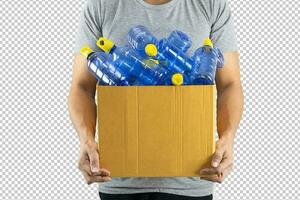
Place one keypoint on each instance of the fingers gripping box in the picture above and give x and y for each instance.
(156, 131)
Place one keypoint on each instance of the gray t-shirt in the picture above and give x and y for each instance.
(199, 19)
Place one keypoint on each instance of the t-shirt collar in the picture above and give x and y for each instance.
(159, 6)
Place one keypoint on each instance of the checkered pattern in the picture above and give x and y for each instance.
(39, 147)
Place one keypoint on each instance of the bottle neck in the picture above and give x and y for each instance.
(112, 49)
(207, 49)
(91, 55)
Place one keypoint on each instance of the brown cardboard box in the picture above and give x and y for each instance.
(156, 131)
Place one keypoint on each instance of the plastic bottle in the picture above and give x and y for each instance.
(180, 40)
(206, 60)
(100, 65)
(131, 63)
(141, 40)
(174, 59)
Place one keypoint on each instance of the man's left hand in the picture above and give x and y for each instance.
(222, 161)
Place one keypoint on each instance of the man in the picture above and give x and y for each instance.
(199, 19)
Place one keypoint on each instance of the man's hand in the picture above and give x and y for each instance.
(229, 112)
(89, 164)
(82, 108)
(222, 161)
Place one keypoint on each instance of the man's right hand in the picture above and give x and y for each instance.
(89, 164)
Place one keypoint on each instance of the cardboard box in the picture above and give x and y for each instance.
(156, 131)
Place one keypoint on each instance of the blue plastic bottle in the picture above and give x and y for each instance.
(174, 59)
(180, 40)
(100, 65)
(128, 61)
(206, 60)
(141, 40)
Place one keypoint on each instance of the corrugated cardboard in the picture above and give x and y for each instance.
(156, 131)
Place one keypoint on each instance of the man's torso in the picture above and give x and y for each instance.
(193, 17)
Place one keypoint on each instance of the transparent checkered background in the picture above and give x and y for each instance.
(39, 148)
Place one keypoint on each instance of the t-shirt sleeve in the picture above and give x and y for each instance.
(90, 27)
(222, 30)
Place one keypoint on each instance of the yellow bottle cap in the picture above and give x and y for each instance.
(208, 42)
(151, 50)
(85, 51)
(177, 79)
(105, 44)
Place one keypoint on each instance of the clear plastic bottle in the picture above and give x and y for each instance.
(101, 66)
(131, 63)
(180, 40)
(206, 60)
(141, 40)
(174, 59)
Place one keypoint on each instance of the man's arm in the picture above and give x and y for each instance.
(229, 112)
(230, 96)
(82, 109)
(81, 101)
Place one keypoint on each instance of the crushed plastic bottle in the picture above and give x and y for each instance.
(131, 64)
(101, 67)
(206, 60)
